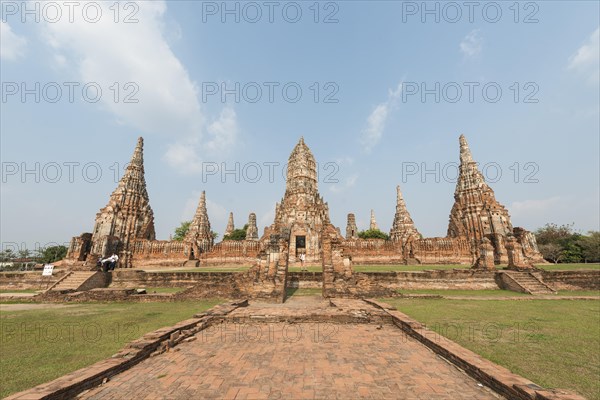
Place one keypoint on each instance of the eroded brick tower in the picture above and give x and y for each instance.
(403, 227)
(476, 212)
(199, 235)
(127, 216)
(302, 211)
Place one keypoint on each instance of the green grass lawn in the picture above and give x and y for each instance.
(420, 267)
(554, 343)
(579, 292)
(37, 346)
(453, 292)
(568, 267)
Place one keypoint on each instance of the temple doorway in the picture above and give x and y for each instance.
(300, 245)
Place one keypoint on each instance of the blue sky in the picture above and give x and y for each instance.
(395, 90)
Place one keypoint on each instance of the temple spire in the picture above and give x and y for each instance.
(302, 170)
(403, 226)
(252, 230)
(351, 228)
(199, 232)
(302, 215)
(465, 152)
(373, 223)
(137, 159)
(230, 226)
(476, 212)
(127, 215)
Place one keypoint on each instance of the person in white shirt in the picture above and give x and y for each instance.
(109, 263)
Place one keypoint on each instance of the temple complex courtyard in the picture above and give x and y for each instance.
(303, 312)
(311, 347)
(304, 360)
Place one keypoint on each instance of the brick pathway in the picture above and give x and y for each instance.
(280, 360)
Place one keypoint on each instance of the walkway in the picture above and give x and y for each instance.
(255, 354)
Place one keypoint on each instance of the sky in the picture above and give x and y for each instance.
(222, 91)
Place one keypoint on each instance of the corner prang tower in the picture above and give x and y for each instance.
(128, 215)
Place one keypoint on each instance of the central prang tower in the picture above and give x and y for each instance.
(302, 212)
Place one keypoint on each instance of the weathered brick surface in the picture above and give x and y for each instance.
(507, 282)
(27, 280)
(271, 359)
(136, 278)
(572, 280)
(255, 283)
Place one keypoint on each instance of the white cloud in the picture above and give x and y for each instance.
(60, 61)
(12, 46)
(217, 214)
(347, 184)
(587, 58)
(138, 53)
(184, 158)
(223, 131)
(472, 44)
(372, 134)
(564, 209)
(184, 155)
(346, 160)
(138, 57)
(538, 206)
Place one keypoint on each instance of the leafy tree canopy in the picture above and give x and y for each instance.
(237, 234)
(562, 244)
(52, 253)
(181, 231)
(373, 234)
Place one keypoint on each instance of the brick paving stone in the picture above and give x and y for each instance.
(359, 362)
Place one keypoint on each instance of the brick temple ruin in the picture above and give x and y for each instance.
(480, 233)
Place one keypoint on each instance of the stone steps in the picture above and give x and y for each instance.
(73, 281)
(531, 283)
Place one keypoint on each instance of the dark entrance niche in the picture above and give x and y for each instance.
(300, 242)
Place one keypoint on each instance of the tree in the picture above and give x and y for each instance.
(373, 234)
(590, 246)
(572, 252)
(237, 234)
(561, 244)
(182, 230)
(552, 233)
(7, 255)
(551, 252)
(52, 253)
(24, 253)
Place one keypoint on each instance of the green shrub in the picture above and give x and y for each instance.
(237, 234)
(373, 234)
